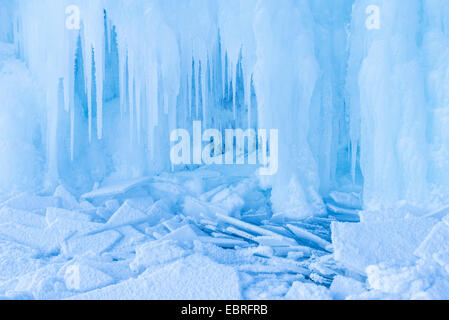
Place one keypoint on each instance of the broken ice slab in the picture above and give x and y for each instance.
(28, 202)
(309, 237)
(256, 217)
(157, 232)
(52, 214)
(343, 287)
(159, 211)
(317, 230)
(45, 240)
(175, 223)
(343, 214)
(96, 243)
(358, 246)
(224, 235)
(103, 213)
(131, 236)
(89, 209)
(446, 220)
(16, 260)
(320, 279)
(126, 215)
(439, 214)
(288, 265)
(275, 241)
(298, 254)
(64, 227)
(240, 233)
(324, 265)
(267, 237)
(437, 241)
(9, 215)
(277, 229)
(224, 242)
(68, 201)
(37, 284)
(192, 278)
(112, 205)
(187, 233)
(273, 269)
(141, 203)
(162, 189)
(199, 210)
(82, 278)
(246, 226)
(208, 195)
(116, 189)
(156, 253)
(442, 258)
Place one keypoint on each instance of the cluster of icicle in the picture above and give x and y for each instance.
(162, 44)
(348, 101)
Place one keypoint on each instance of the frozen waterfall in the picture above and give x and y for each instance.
(357, 106)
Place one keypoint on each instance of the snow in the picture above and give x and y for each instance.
(31, 203)
(53, 214)
(139, 253)
(68, 200)
(394, 241)
(8, 215)
(343, 288)
(155, 254)
(307, 291)
(435, 242)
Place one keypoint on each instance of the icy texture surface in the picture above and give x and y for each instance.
(92, 208)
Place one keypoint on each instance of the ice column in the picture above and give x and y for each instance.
(285, 75)
(387, 97)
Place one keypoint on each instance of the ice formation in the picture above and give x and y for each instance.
(91, 205)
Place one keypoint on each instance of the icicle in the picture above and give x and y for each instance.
(131, 100)
(72, 134)
(123, 73)
(234, 90)
(204, 97)
(138, 94)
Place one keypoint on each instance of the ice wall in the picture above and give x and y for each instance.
(229, 64)
(396, 97)
(435, 49)
(390, 93)
(355, 106)
(285, 54)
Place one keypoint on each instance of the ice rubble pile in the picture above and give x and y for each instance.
(209, 234)
(200, 235)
